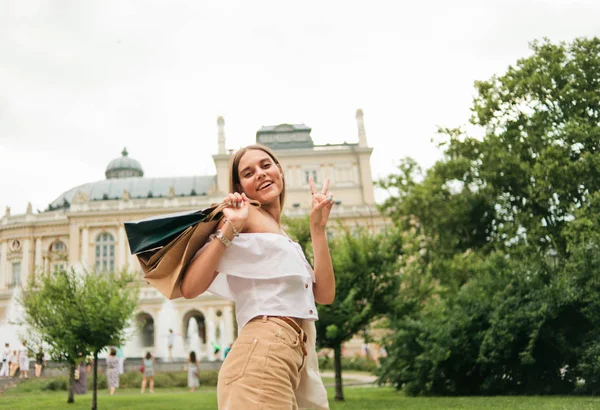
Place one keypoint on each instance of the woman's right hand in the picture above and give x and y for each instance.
(237, 209)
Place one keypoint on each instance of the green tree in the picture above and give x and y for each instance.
(50, 312)
(500, 315)
(76, 314)
(110, 300)
(447, 217)
(366, 282)
(538, 161)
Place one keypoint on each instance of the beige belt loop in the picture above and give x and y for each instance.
(264, 318)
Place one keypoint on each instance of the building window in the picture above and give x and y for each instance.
(16, 274)
(58, 246)
(343, 174)
(308, 173)
(105, 253)
(15, 245)
(58, 267)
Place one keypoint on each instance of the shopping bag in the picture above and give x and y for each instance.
(166, 244)
(158, 231)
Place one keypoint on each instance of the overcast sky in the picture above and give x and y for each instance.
(79, 80)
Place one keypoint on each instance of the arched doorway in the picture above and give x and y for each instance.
(194, 332)
(145, 324)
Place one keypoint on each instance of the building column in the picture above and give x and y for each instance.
(3, 265)
(85, 246)
(121, 253)
(354, 174)
(210, 324)
(366, 180)
(39, 261)
(73, 245)
(25, 261)
(362, 133)
(133, 265)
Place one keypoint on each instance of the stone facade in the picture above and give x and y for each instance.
(83, 229)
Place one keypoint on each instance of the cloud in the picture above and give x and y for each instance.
(80, 80)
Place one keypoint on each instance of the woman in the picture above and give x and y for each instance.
(251, 261)
(112, 370)
(5, 363)
(23, 359)
(193, 369)
(148, 372)
(40, 362)
(81, 375)
(13, 362)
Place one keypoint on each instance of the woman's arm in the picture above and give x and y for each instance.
(324, 288)
(322, 202)
(202, 271)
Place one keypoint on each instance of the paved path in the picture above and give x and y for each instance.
(352, 379)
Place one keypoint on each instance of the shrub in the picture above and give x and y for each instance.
(55, 384)
(130, 380)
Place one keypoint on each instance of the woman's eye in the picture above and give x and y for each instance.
(267, 165)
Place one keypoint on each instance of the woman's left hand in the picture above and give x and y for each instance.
(322, 202)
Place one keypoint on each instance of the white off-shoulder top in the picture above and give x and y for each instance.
(265, 274)
(268, 274)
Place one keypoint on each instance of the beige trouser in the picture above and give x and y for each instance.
(262, 370)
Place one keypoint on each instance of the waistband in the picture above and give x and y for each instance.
(289, 321)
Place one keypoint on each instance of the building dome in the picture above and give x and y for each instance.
(136, 187)
(123, 167)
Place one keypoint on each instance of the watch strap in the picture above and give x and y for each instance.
(224, 239)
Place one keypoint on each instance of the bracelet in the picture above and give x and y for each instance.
(224, 239)
(235, 231)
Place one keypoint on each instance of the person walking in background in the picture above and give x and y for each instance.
(23, 359)
(89, 361)
(193, 368)
(121, 357)
(112, 370)
(40, 362)
(5, 353)
(13, 364)
(148, 372)
(170, 342)
(216, 350)
(81, 376)
(226, 351)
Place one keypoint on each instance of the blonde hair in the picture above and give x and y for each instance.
(234, 176)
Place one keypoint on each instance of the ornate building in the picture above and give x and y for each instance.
(83, 228)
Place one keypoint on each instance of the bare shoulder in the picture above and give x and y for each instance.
(256, 221)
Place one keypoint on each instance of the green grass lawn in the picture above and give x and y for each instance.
(356, 399)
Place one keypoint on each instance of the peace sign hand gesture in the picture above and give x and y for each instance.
(322, 202)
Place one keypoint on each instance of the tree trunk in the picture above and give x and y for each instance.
(95, 382)
(337, 367)
(71, 398)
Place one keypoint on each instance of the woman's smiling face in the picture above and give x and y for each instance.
(260, 177)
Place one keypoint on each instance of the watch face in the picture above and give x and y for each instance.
(226, 241)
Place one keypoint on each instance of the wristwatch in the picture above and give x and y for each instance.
(221, 236)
